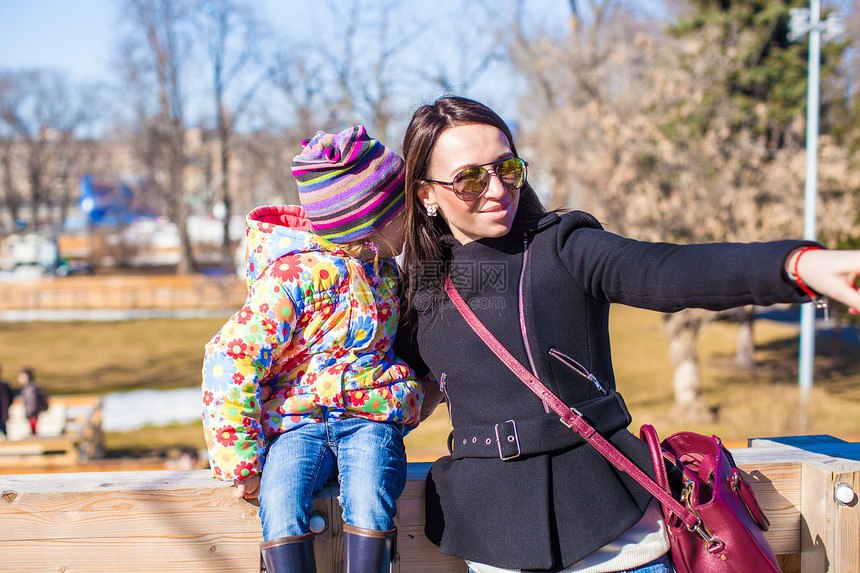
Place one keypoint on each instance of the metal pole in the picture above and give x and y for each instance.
(807, 312)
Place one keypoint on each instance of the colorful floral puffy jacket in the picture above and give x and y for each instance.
(318, 328)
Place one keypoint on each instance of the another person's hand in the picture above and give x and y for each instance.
(432, 397)
(833, 274)
(266, 392)
(249, 488)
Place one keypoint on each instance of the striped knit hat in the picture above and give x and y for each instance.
(350, 185)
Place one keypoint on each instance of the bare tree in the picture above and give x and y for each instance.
(40, 113)
(154, 55)
(357, 76)
(234, 40)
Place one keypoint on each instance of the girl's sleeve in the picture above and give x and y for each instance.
(236, 361)
(669, 277)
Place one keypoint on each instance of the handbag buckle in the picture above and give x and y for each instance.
(511, 437)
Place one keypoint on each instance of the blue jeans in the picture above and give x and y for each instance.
(661, 565)
(368, 457)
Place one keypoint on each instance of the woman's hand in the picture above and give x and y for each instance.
(249, 488)
(833, 274)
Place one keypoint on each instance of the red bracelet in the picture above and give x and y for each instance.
(797, 278)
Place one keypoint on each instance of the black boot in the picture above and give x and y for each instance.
(288, 555)
(367, 550)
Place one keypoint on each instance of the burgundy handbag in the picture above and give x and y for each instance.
(717, 526)
(730, 521)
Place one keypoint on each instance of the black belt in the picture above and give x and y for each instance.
(510, 439)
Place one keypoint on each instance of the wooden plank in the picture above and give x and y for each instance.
(216, 553)
(129, 517)
(147, 530)
(174, 520)
(416, 552)
(777, 488)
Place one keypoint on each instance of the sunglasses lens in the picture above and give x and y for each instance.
(470, 183)
(512, 173)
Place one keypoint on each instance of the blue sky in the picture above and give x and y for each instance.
(74, 37)
(79, 37)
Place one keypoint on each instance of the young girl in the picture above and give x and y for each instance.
(317, 329)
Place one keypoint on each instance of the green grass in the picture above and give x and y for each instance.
(97, 357)
(100, 357)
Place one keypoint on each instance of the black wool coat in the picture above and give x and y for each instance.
(558, 500)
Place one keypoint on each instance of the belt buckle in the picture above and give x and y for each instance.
(514, 438)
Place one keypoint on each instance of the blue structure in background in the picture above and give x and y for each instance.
(109, 203)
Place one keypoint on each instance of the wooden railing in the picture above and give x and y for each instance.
(124, 292)
(172, 521)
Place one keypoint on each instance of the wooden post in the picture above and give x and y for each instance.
(829, 531)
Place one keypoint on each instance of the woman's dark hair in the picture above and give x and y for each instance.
(425, 253)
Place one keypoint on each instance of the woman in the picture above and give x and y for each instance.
(520, 491)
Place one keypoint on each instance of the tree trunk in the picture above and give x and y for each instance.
(745, 353)
(180, 209)
(186, 264)
(37, 194)
(224, 130)
(11, 197)
(683, 329)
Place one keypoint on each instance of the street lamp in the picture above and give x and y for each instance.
(803, 21)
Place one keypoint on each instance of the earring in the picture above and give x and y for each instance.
(431, 210)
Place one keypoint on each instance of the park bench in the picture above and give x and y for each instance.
(67, 434)
(172, 521)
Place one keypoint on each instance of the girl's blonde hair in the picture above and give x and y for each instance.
(354, 248)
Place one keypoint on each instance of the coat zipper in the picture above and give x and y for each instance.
(443, 385)
(523, 314)
(577, 367)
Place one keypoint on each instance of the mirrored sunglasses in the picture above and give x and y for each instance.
(472, 182)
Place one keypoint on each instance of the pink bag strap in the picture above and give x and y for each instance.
(570, 417)
(648, 434)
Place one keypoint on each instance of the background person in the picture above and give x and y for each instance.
(537, 497)
(6, 397)
(34, 396)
